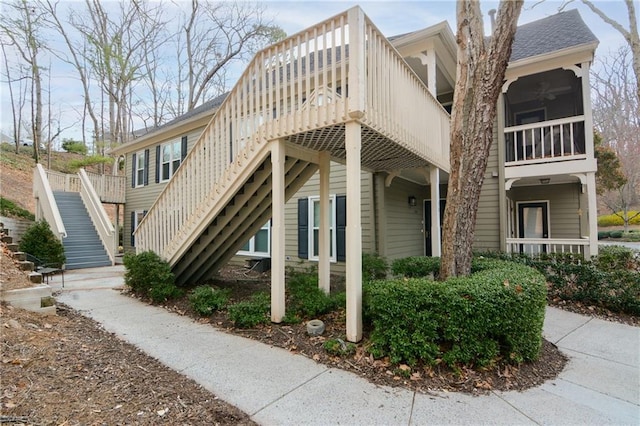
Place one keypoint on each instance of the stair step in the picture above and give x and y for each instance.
(92, 264)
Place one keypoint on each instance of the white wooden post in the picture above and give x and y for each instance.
(588, 116)
(353, 233)
(277, 231)
(324, 263)
(357, 49)
(434, 179)
(593, 214)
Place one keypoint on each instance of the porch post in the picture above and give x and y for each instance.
(593, 214)
(588, 116)
(277, 231)
(324, 265)
(353, 233)
(436, 238)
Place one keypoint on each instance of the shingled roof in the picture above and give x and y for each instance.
(556, 32)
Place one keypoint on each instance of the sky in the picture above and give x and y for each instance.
(391, 17)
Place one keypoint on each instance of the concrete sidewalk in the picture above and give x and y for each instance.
(600, 385)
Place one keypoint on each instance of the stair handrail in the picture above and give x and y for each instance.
(47, 208)
(97, 213)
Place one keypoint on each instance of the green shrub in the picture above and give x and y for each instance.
(603, 234)
(339, 347)
(11, 209)
(616, 219)
(148, 275)
(498, 311)
(74, 146)
(614, 258)
(206, 300)
(306, 300)
(92, 160)
(250, 313)
(416, 267)
(374, 267)
(615, 234)
(40, 241)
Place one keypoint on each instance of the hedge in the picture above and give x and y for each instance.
(496, 312)
(616, 219)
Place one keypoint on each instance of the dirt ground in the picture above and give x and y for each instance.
(65, 369)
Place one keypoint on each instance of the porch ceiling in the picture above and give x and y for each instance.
(378, 153)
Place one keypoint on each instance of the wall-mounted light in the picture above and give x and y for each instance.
(412, 201)
(545, 181)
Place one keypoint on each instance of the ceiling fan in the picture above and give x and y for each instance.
(544, 91)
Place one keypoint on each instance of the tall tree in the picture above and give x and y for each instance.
(17, 100)
(212, 35)
(630, 35)
(616, 116)
(480, 75)
(20, 23)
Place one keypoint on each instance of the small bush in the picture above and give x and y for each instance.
(74, 146)
(339, 347)
(306, 300)
(252, 312)
(416, 267)
(93, 160)
(615, 258)
(11, 209)
(40, 241)
(497, 312)
(150, 276)
(374, 267)
(615, 234)
(603, 234)
(206, 300)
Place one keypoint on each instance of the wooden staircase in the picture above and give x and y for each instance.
(299, 93)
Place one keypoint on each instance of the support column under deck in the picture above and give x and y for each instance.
(593, 214)
(277, 232)
(353, 142)
(436, 238)
(324, 256)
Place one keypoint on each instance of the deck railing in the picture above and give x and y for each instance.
(110, 189)
(400, 106)
(536, 246)
(316, 78)
(46, 207)
(554, 140)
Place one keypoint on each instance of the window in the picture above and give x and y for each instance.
(309, 228)
(140, 169)
(260, 244)
(136, 218)
(169, 156)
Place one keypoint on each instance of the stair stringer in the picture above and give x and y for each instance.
(218, 249)
(221, 193)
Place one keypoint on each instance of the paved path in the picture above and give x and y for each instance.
(600, 384)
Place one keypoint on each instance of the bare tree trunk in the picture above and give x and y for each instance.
(480, 75)
(14, 112)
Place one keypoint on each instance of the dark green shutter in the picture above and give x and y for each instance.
(341, 227)
(303, 228)
(183, 149)
(133, 170)
(146, 167)
(158, 166)
(133, 228)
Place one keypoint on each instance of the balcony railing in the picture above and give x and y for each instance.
(554, 140)
(537, 246)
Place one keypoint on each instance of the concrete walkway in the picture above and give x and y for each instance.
(600, 384)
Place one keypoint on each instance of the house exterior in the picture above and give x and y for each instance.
(335, 142)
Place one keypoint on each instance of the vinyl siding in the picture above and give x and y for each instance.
(404, 233)
(488, 219)
(337, 185)
(142, 198)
